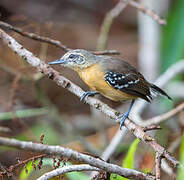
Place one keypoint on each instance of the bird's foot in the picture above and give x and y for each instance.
(122, 118)
(88, 93)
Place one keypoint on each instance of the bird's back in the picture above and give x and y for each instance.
(124, 77)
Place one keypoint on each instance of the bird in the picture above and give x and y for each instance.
(111, 77)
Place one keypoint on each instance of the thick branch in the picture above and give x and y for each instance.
(66, 169)
(70, 154)
(63, 82)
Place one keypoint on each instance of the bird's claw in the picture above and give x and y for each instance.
(122, 118)
(88, 93)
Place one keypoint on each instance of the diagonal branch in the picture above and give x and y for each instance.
(169, 74)
(163, 117)
(147, 11)
(65, 83)
(107, 22)
(56, 43)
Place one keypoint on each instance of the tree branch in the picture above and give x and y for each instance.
(66, 169)
(65, 83)
(74, 155)
(163, 117)
(107, 22)
(158, 159)
(147, 11)
(56, 43)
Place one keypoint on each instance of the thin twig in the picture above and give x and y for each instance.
(113, 144)
(74, 155)
(147, 11)
(106, 52)
(107, 22)
(165, 166)
(66, 169)
(21, 163)
(151, 128)
(110, 149)
(4, 129)
(56, 43)
(63, 82)
(163, 117)
(170, 73)
(35, 36)
(158, 159)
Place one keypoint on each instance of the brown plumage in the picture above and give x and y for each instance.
(112, 77)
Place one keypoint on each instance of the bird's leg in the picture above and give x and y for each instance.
(125, 115)
(88, 93)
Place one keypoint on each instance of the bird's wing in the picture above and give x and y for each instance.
(124, 77)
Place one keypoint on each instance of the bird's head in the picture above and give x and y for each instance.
(76, 59)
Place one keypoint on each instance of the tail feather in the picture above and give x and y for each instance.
(155, 90)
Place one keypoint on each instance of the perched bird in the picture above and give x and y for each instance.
(110, 76)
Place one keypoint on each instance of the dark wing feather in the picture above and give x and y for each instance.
(122, 76)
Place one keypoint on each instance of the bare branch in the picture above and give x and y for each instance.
(35, 37)
(71, 154)
(19, 164)
(106, 52)
(147, 11)
(66, 169)
(56, 43)
(63, 82)
(165, 166)
(113, 144)
(4, 129)
(163, 117)
(158, 159)
(151, 128)
(107, 22)
(170, 73)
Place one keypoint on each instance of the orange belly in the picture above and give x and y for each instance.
(94, 78)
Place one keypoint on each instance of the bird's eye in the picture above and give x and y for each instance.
(72, 56)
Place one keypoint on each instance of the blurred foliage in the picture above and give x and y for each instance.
(128, 161)
(180, 174)
(172, 42)
(23, 113)
(172, 47)
(162, 135)
(48, 162)
(52, 137)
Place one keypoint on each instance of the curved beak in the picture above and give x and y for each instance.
(58, 61)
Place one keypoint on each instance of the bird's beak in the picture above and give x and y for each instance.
(58, 61)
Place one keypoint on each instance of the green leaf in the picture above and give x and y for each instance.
(172, 47)
(180, 174)
(128, 161)
(49, 162)
(23, 175)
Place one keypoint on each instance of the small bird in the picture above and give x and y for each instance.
(112, 77)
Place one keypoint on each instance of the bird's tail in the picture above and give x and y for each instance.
(155, 90)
